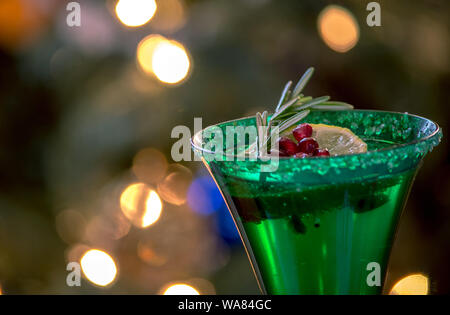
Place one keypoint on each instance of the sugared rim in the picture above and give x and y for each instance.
(196, 142)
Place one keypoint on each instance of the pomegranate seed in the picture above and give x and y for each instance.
(321, 152)
(308, 145)
(302, 131)
(287, 146)
(302, 155)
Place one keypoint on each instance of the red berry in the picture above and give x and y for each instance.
(321, 152)
(302, 155)
(302, 131)
(308, 145)
(287, 146)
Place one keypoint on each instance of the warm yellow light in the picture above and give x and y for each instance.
(338, 28)
(174, 187)
(135, 12)
(181, 289)
(416, 284)
(98, 267)
(145, 51)
(141, 205)
(170, 62)
(166, 59)
(129, 199)
(153, 207)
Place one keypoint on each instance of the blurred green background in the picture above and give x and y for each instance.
(86, 120)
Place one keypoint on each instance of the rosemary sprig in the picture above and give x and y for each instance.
(292, 108)
(302, 82)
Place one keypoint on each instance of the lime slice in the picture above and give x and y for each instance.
(337, 140)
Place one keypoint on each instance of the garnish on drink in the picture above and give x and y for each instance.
(305, 140)
(308, 140)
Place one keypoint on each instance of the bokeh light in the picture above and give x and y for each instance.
(415, 284)
(170, 62)
(98, 267)
(166, 59)
(141, 205)
(174, 187)
(135, 13)
(149, 165)
(338, 28)
(181, 289)
(107, 227)
(145, 51)
(153, 206)
(21, 23)
(194, 286)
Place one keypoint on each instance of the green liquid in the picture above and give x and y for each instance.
(320, 240)
(320, 244)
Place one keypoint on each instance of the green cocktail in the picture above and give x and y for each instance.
(324, 225)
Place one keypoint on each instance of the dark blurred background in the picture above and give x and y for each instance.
(86, 114)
